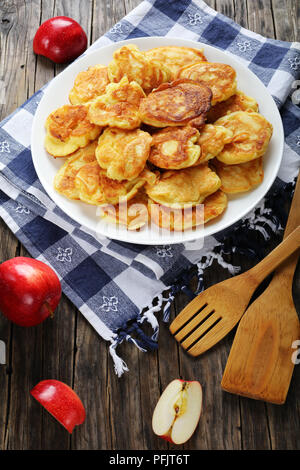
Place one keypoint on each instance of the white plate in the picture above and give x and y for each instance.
(239, 205)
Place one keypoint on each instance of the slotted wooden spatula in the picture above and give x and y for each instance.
(260, 362)
(214, 312)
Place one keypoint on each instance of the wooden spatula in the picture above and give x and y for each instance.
(260, 361)
(214, 312)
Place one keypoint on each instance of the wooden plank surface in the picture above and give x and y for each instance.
(67, 348)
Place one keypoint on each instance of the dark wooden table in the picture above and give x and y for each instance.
(67, 348)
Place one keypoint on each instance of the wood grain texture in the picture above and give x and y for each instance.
(286, 17)
(119, 411)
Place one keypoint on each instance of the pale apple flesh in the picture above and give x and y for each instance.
(178, 411)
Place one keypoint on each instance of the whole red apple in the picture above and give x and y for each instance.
(61, 402)
(61, 39)
(29, 291)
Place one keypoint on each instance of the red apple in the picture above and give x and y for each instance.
(178, 410)
(29, 291)
(61, 402)
(61, 39)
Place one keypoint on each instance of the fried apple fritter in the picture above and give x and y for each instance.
(133, 214)
(220, 78)
(129, 61)
(237, 102)
(181, 220)
(87, 182)
(178, 103)
(214, 205)
(174, 148)
(175, 57)
(64, 181)
(116, 192)
(68, 129)
(118, 106)
(241, 177)
(212, 140)
(184, 188)
(171, 107)
(89, 84)
(123, 153)
(251, 136)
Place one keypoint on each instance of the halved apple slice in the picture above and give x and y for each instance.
(178, 410)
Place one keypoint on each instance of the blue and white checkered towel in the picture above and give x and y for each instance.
(112, 282)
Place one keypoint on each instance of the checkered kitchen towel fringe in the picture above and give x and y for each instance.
(112, 283)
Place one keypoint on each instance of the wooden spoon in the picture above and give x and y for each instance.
(260, 361)
(214, 312)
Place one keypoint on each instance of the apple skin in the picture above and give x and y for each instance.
(167, 438)
(29, 291)
(60, 39)
(61, 402)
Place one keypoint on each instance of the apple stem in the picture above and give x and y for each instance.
(47, 305)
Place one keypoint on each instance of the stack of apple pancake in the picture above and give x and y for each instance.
(156, 135)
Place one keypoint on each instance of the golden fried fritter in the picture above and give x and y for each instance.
(175, 57)
(116, 192)
(175, 89)
(178, 103)
(181, 220)
(129, 61)
(251, 136)
(174, 148)
(237, 102)
(123, 153)
(118, 106)
(212, 140)
(64, 181)
(89, 84)
(220, 78)
(184, 188)
(68, 129)
(133, 214)
(241, 177)
(87, 182)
